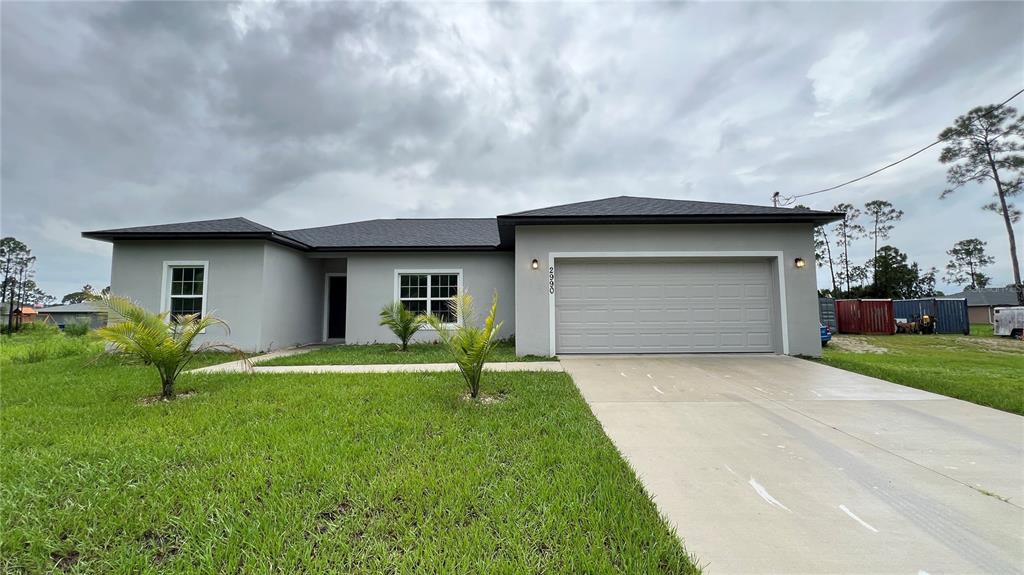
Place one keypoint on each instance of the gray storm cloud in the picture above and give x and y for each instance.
(304, 114)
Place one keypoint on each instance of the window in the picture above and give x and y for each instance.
(186, 291)
(429, 293)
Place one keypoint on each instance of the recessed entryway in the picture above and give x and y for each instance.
(336, 293)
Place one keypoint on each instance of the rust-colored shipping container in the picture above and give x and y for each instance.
(865, 316)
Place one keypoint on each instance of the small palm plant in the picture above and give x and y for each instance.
(151, 338)
(469, 344)
(402, 322)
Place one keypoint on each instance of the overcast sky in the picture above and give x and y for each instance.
(297, 115)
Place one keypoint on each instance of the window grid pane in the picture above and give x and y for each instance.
(186, 295)
(429, 294)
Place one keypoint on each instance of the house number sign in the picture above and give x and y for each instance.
(551, 279)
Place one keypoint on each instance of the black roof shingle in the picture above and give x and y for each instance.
(469, 233)
(630, 206)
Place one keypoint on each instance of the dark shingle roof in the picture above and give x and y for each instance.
(634, 207)
(470, 233)
(227, 228)
(222, 226)
(989, 296)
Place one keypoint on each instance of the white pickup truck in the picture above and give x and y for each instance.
(1009, 321)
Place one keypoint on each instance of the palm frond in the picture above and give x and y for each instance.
(150, 337)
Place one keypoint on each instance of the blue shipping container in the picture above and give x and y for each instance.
(950, 314)
(827, 313)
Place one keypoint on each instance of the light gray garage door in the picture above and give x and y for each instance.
(663, 306)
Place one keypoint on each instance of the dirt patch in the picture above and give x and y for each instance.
(153, 399)
(65, 560)
(484, 399)
(855, 344)
(325, 519)
(162, 546)
(995, 343)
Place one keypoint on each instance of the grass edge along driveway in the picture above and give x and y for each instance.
(979, 368)
(312, 473)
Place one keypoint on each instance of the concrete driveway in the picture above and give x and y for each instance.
(772, 464)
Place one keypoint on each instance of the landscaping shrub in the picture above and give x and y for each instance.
(152, 339)
(402, 322)
(469, 344)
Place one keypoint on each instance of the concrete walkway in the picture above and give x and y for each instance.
(771, 464)
(252, 366)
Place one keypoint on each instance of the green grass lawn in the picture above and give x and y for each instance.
(979, 368)
(380, 473)
(381, 353)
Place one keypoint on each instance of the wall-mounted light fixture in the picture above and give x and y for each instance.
(534, 264)
(799, 262)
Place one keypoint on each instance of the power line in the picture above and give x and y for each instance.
(790, 199)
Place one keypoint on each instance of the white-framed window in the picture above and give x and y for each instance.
(429, 291)
(185, 288)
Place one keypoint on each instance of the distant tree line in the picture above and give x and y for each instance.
(888, 273)
(18, 286)
(981, 146)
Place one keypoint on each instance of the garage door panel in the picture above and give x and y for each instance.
(663, 306)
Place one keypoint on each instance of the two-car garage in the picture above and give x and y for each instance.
(665, 305)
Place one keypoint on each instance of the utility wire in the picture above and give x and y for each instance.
(789, 199)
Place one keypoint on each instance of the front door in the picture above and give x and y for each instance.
(337, 288)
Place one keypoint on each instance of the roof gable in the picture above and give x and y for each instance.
(631, 206)
(219, 226)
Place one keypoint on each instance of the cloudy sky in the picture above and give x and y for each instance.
(306, 114)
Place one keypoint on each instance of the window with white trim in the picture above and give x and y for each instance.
(429, 293)
(187, 290)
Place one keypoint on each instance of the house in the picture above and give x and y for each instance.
(616, 275)
(24, 314)
(92, 313)
(981, 303)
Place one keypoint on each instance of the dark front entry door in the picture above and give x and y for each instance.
(337, 287)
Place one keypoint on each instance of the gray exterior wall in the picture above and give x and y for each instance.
(268, 294)
(793, 240)
(293, 295)
(371, 285)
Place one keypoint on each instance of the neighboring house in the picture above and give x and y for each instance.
(24, 314)
(92, 313)
(981, 303)
(618, 275)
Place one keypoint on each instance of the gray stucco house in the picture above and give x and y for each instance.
(616, 275)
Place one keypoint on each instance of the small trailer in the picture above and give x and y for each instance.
(1009, 321)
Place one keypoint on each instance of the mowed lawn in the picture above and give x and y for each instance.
(979, 368)
(309, 473)
(388, 353)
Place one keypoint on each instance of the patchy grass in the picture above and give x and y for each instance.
(36, 343)
(387, 353)
(982, 329)
(982, 369)
(42, 343)
(383, 473)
